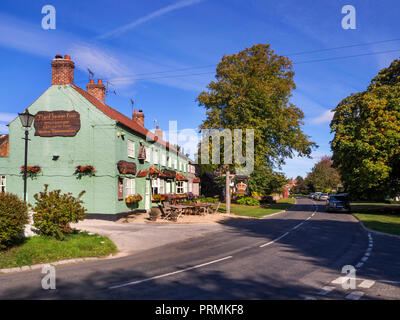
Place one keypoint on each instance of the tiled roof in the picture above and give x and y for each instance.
(119, 117)
(4, 145)
(180, 177)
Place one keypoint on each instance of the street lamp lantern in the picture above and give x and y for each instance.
(26, 121)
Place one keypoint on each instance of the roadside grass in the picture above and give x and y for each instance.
(381, 217)
(258, 211)
(41, 249)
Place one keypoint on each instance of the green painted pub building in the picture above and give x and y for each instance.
(116, 155)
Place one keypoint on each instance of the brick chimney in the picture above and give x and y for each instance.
(62, 70)
(159, 133)
(138, 117)
(97, 90)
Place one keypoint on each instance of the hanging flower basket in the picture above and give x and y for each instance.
(31, 171)
(133, 198)
(87, 170)
(156, 197)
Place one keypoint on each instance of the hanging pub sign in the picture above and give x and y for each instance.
(169, 174)
(241, 188)
(142, 153)
(57, 123)
(126, 167)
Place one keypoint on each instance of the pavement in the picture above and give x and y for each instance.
(298, 254)
(134, 237)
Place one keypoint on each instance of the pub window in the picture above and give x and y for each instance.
(131, 149)
(155, 156)
(2, 183)
(190, 187)
(176, 164)
(155, 186)
(168, 187)
(179, 187)
(163, 159)
(148, 154)
(161, 184)
(130, 187)
(170, 162)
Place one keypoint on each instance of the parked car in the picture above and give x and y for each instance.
(316, 195)
(323, 197)
(338, 203)
(311, 195)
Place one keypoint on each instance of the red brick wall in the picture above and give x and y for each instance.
(62, 71)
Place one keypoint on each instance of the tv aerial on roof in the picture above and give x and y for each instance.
(91, 74)
(108, 91)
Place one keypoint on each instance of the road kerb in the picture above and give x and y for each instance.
(374, 231)
(273, 214)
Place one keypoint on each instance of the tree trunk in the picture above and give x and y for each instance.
(228, 192)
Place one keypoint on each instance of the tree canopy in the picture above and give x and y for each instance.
(252, 91)
(366, 144)
(323, 176)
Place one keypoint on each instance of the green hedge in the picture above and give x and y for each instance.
(13, 218)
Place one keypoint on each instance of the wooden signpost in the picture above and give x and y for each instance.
(57, 123)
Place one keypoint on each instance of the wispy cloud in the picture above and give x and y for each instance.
(323, 118)
(148, 17)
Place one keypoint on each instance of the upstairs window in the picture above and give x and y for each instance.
(163, 160)
(170, 162)
(155, 156)
(176, 164)
(131, 149)
(148, 154)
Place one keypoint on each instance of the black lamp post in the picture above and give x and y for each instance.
(26, 121)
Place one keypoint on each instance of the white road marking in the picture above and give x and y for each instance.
(359, 265)
(325, 290)
(364, 259)
(366, 284)
(168, 274)
(339, 280)
(355, 295)
(277, 239)
(309, 298)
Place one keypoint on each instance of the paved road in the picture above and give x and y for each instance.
(294, 255)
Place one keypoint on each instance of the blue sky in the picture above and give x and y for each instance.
(136, 44)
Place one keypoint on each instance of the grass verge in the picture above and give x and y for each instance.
(41, 249)
(381, 217)
(259, 211)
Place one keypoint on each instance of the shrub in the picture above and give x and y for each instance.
(248, 201)
(55, 211)
(209, 200)
(13, 217)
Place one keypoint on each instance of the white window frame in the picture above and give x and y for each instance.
(175, 164)
(3, 183)
(161, 187)
(148, 154)
(163, 159)
(190, 187)
(130, 186)
(169, 162)
(168, 187)
(155, 156)
(131, 149)
(180, 188)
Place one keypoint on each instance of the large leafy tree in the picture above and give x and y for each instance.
(301, 186)
(252, 91)
(266, 182)
(366, 145)
(323, 176)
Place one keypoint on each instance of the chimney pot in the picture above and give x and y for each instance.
(97, 90)
(58, 56)
(99, 81)
(67, 57)
(138, 117)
